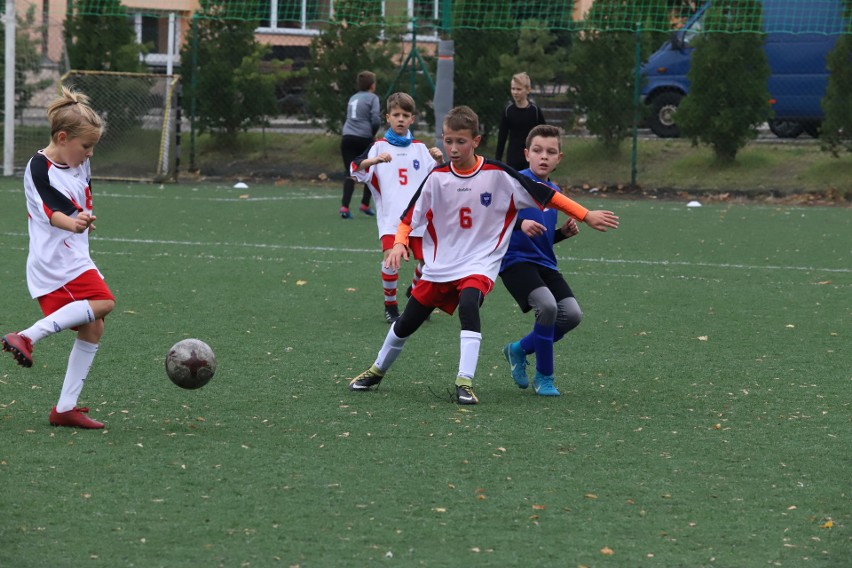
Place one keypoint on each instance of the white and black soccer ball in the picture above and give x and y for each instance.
(190, 364)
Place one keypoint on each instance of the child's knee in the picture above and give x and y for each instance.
(101, 307)
(469, 303)
(570, 315)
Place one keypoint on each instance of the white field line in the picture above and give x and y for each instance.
(249, 199)
(290, 197)
(267, 246)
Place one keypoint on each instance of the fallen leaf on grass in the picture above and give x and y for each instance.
(539, 507)
(301, 282)
(827, 524)
(607, 551)
(702, 338)
(590, 496)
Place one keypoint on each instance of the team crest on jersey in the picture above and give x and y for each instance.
(485, 199)
(416, 164)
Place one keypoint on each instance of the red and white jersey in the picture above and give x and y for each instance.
(394, 183)
(469, 218)
(56, 256)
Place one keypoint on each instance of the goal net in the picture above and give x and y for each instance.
(142, 118)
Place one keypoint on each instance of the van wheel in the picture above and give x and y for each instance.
(813, 129)
(663, 110)
(786, 128)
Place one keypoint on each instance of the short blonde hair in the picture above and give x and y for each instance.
(523, 80)
(73, 114)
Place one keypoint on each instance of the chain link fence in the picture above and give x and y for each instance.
(643, 75)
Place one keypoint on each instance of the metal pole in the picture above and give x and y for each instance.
(192, 93)
(637, 78)
(170, 65)
(443, 100)
(9, 93)
(413, 92)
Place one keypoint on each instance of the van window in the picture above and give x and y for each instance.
(693, 29)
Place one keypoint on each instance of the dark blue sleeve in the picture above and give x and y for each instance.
(53, 199)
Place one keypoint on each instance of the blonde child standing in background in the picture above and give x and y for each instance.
(519, 117)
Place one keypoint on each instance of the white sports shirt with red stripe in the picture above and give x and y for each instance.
(469, 218)
(56, 256)
(394, 183)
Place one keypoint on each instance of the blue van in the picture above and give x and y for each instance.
(803, 32)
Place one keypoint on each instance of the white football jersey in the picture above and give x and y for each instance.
(56, 256)
(469, 218)
(394, 183)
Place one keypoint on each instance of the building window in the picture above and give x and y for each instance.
(428, 14)
(293, 14)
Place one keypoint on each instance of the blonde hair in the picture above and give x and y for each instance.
(73, 114)
(523, 80)
(462, 118)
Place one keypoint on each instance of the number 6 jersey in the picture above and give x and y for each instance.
(469, 217)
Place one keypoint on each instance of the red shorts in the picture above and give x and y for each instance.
(88, 286)
(415, 245)
(445, 295)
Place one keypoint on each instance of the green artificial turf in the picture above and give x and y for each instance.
(704, 421)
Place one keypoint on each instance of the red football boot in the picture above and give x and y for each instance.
(74, 418)
(20, 347)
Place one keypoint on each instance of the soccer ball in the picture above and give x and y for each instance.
(190, 364)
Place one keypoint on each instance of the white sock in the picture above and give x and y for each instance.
(79, 363)
(390, 350)
(69, 315)
(470, 341)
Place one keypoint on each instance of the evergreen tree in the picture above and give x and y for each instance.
(351, 43)
(231, 86)
(602, 69)
(728, 98)
(478, 81)
(836, 132)
(539, 55)
(100, 37)
(27, 60)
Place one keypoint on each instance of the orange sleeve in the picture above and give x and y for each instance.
(402, 232)
(567, 206)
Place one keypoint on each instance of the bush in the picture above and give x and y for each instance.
(27, 60)
(837, 104)
(729, 72)
(224, 75)
(348, 45)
